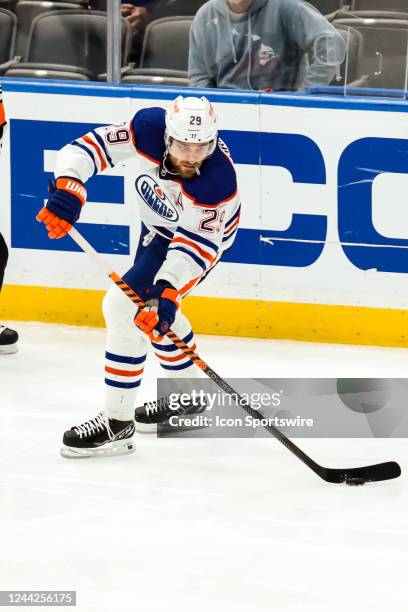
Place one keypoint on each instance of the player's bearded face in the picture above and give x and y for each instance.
(186, 158)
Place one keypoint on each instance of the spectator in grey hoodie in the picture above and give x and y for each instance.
(262, 44)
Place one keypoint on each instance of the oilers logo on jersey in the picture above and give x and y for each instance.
(155, 198)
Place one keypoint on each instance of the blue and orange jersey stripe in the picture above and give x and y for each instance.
(2, 113)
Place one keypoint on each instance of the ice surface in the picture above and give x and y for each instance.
(193, 525)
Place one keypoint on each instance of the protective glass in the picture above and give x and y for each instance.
(377, 60)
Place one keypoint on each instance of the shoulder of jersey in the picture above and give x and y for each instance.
(217, 182)
(148, 126)
(2, 115)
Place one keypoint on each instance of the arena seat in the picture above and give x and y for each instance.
(8, 24)
(75, 41)
(372, 14)
(379, 5)
(163, 77)
(49, 71)
(8, 4)
(161, 37)
(27, 11)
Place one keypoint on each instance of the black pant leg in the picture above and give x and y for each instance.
(3, 258)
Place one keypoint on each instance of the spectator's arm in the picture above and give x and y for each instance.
(316, 36)
(135, 15)
(198, 72)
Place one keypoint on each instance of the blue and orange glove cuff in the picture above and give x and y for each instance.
(72, 186)
(173, 295)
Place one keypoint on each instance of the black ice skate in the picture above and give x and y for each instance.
(153, 414)
(8, 340)
(98, 437)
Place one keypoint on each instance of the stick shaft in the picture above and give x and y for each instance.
(382, 471)
(132, 295)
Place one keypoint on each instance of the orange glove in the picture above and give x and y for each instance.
(162, 302)
(67, 197)
(147, 320)
(56, 227)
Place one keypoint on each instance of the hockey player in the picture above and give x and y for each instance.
(8, 337)
(186, 191)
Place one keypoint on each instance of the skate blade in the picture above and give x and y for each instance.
(145, 428)
(8, 349)
(121, 447)
(165, 428)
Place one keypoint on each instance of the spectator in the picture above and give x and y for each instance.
(135, 11)
(101, 5)
(262, 44)
(140, 13)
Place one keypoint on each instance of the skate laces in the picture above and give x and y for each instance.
(98, 423)
(154, 407)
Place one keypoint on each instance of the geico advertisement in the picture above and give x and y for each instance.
(324, 199)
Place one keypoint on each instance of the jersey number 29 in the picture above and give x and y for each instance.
(212, 221)
(118, 135)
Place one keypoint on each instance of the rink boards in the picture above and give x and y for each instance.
(322, 250)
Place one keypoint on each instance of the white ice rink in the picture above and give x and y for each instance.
(193, 525)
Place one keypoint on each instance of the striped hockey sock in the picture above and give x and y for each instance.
(123, 375)
(172, 359)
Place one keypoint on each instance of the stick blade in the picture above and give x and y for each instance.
(369, 473)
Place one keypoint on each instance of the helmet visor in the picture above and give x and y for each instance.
(190, 152)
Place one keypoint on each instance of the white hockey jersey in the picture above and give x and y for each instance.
(199, 216)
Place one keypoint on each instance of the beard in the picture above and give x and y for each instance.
(188, 172)
(184, 169)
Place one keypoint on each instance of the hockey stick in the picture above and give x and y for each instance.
(351, 476)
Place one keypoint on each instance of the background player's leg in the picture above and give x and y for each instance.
(3, 258)
(8, 337)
